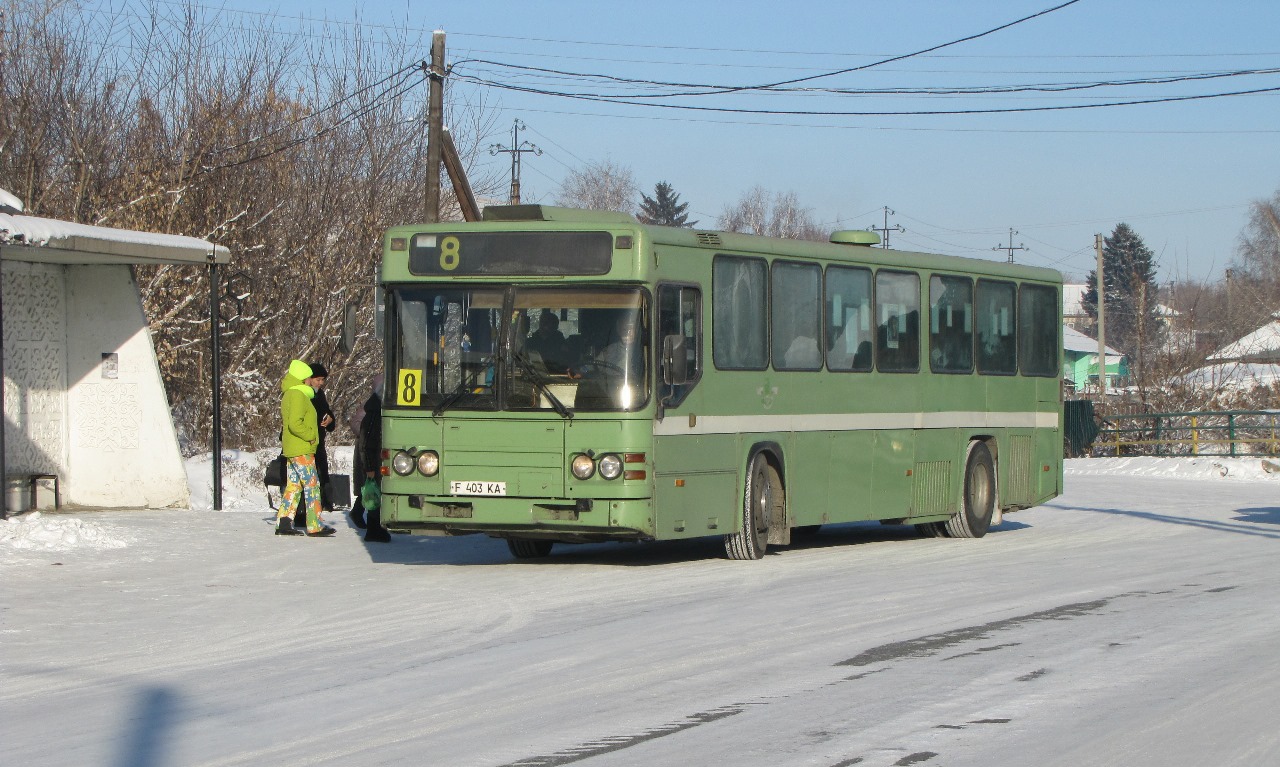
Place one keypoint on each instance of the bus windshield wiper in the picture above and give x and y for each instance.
(463, 388)
(540, 384)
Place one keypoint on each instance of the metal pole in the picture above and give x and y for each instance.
(215, 330)
(4, 496)
(1102, 323)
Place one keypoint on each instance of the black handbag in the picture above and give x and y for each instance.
(274, 475)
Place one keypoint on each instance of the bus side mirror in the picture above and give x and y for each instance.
(675, 361)
(347, 341)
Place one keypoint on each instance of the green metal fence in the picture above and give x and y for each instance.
(1227, 432)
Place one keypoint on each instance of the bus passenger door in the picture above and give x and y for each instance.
(693, 472)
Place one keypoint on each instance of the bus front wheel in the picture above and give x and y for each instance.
(524, 548)
(979, 499)
(763, 491)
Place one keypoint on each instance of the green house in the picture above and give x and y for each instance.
(1080, 362)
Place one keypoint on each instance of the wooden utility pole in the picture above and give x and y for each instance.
(458, 175)
(1102, 322)
(435, 128)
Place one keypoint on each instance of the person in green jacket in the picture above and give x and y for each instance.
(298, 439)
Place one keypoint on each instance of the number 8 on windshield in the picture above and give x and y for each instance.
(409, 388)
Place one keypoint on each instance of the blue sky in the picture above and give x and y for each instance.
(1181, 173)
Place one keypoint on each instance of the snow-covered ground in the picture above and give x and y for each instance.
(1132, 621)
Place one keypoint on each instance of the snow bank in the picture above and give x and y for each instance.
(242, 470)
(243, 491)
(56, 533)
(1186, 467)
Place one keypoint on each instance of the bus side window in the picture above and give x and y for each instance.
(679, 333)
(796, 316)
(739, 313)
(848, 310)
(997, 332)
(1038, 330)
(950, 324)
(897, 322)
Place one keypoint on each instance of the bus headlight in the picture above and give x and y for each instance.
(402, 463)
(429, 463)
(610, 466)
(582, 466)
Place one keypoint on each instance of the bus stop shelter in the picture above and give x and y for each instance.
(86, 419)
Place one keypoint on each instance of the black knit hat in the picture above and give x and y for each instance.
(318, 370)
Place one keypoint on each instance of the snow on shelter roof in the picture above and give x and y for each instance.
(48, 240)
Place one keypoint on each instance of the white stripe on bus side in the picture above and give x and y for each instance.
(749, 424)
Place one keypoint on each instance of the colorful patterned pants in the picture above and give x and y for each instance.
(302, 485)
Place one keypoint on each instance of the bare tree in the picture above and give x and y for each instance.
(1254, 277)
(600, 186)
(297, 152)
(772, 215)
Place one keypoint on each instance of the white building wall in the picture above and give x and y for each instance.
(83, 393)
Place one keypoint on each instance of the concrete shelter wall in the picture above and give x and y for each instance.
(83, 393)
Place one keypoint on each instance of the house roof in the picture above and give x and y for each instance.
(1075, 341)
(1238, 376)
(48, 240)
(1265, 341)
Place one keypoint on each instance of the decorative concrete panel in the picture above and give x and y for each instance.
(35, 374)
(108, 417)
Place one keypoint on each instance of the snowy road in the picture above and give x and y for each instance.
(1132, 622)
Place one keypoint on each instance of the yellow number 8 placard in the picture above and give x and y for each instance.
(450, 253)
(409, 388)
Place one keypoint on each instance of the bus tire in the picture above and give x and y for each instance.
(763, 490)
(978, 501)
(526, 548)
(932, 529)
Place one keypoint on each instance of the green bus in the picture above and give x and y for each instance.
(558, 375)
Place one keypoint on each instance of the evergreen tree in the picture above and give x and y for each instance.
(1133, 323)
(664, 208)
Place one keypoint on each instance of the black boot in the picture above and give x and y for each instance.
(357, 515)
(285, 527)
(300, 518)
(375, 532)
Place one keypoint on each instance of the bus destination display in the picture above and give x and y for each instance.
(511, 253)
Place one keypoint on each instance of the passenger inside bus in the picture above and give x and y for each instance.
(549, 342)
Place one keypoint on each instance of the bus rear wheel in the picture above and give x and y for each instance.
(763, 491)
(979, 499)
(932, 529)
(525, 548)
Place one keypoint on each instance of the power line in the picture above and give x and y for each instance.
(721, 90)
(562, 75)
(875, 113)
(906, 129)
(182, 4)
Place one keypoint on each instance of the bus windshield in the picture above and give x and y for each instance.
(562, 349)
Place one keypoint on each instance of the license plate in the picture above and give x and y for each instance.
(478, 488)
